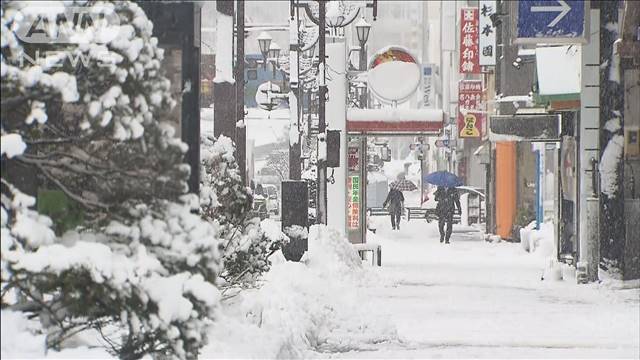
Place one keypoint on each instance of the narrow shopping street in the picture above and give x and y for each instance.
(474, 298)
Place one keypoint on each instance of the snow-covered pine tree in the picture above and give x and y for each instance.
(248, 243)
(88, 118)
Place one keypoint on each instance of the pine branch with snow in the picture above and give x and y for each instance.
(103, 139)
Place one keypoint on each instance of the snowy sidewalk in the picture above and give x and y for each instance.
(477, 299)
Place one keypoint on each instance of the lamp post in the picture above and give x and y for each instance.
(362, 30)
(241, 129)
(273, 53)
(321, 203)
(264, 41)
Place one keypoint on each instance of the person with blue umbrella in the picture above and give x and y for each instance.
(448, 200)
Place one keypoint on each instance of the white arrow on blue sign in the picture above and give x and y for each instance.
(551, 21)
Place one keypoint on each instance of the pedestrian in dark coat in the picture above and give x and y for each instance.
(448, 200)
(395, 200)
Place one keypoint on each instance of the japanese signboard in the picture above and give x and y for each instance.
(487, 33)
(353, 202)
(428, 92)
(469, 42)
(470, 116)
(353, 158)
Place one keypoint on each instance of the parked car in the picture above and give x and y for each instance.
(259, 208)
(272, 202)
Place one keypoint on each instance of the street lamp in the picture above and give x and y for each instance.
(362, 30)
(264, 41)
(519, 61)
(274, 52)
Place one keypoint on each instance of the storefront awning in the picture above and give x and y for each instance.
(524, 128)
(394, 120)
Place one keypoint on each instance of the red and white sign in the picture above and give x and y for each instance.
(470, 109)
(469, 41)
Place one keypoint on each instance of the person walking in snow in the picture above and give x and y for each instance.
(448, 200)
(395, 201)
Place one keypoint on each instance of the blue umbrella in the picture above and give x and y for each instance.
(443, 178)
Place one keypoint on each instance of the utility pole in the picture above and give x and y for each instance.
(611, 166)
(241, 126)
(224, 113)
(321, 217)
(295, 167)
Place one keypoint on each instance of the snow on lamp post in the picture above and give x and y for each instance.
(264, 42)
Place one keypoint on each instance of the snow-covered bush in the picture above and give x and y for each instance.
(247, 242)
(141, 269)
(225, 198)
(305, 308)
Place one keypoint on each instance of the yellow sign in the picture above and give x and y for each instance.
(470, 126)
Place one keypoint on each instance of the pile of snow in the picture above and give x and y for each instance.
(538, 241)
(541, 242)
(304, 307)
(21, 340)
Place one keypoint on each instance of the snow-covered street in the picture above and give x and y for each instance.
(479, 299)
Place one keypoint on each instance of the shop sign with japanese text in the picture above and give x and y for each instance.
(469, 42)
(353, 159)
(470, 109)
(487, 33)
(353, 202)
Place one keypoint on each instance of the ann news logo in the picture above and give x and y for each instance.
(47, 23)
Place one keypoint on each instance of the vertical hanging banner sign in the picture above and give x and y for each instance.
(470, 111)
(469, 42)
(487, 33)
(353, 202)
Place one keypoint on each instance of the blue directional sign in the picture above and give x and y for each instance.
(551, 21)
